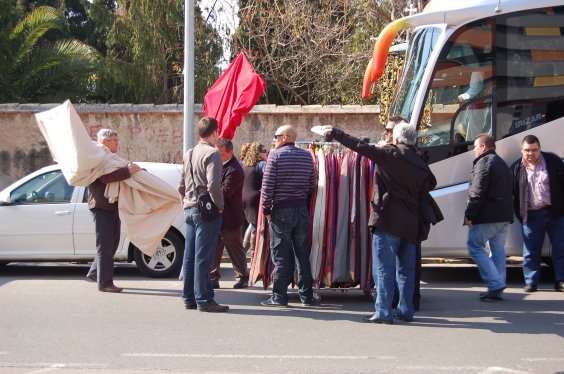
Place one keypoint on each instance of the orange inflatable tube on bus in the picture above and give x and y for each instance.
(377, 63)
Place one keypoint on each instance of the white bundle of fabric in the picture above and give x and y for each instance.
(147, 204)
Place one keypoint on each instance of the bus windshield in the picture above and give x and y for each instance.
(421, 47)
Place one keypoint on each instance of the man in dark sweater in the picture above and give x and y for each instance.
(106, 217)
(232, 179)
(289, 179)
(538, 190)
(488, 214)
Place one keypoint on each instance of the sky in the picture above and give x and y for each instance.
(224, 19)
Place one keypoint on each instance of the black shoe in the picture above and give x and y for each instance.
(240, 284)
(272, 302)
(213, 307)
(372, 319)
(493, 295)
(559, 286)
(312, 302)
(215, 284)
(191, 305)
(530, 288)
(401, 318)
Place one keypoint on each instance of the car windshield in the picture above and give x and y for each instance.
(421, 47)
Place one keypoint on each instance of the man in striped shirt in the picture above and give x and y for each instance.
(289, 179)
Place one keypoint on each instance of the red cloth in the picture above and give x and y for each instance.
(233, 95)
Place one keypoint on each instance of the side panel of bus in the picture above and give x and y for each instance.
(503, 76)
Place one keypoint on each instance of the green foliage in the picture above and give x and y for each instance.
(37, 69)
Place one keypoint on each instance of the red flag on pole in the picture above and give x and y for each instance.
(233, 95)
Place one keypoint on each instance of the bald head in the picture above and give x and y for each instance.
(284, 134)
(289, 131)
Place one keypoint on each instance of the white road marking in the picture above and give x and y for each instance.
(545, 359)
(255, 356)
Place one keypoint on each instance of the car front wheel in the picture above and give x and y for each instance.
(166, 261)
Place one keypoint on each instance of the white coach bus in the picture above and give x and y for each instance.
(471, 67)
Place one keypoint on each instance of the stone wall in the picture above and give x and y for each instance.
(155, 132)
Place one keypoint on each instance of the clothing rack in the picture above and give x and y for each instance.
(315, 142)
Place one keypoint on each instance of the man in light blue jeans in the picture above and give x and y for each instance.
(389, 253)
(201, 174)
(401, 179)
(488, 214)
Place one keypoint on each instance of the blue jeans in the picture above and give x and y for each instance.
(539, 223)
(199, 250)
(492, 266)
(288, 245)
(393, 257)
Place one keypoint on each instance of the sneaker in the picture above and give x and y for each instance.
(272, 302)
(374, 319)
(92, 278)
(240, 284)
(559, 286)
(530, 288)
(213, 307)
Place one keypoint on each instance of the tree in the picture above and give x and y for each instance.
(40, 69)
(145, 53)
(312, 51)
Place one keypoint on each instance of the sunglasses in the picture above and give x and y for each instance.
(276, 136)
(386, 130)
(263, 151)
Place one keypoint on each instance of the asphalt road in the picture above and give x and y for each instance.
(52, 320)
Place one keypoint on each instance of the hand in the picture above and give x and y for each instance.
(468, 222)
(327, 129)
(133, 168)
(268, 218)
(463, 97)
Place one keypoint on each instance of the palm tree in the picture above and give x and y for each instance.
(35, 67)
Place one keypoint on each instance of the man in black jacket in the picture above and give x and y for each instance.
(401, 182)
(538, 190)
(488, 214)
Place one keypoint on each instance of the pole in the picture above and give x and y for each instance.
(188, 74)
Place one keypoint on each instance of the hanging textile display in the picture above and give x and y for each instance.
(338, 235)
(318, 228)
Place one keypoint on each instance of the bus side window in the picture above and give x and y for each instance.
(530, 68)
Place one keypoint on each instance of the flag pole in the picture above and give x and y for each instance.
(188, 74)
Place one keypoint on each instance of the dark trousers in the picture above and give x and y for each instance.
(107, 225)
(288, 246)
(232, 240)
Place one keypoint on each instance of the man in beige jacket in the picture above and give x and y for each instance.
(201, 174)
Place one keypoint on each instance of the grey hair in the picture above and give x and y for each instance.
(106, 134)
(405, 133)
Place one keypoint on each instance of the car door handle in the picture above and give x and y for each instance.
(62, 212)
